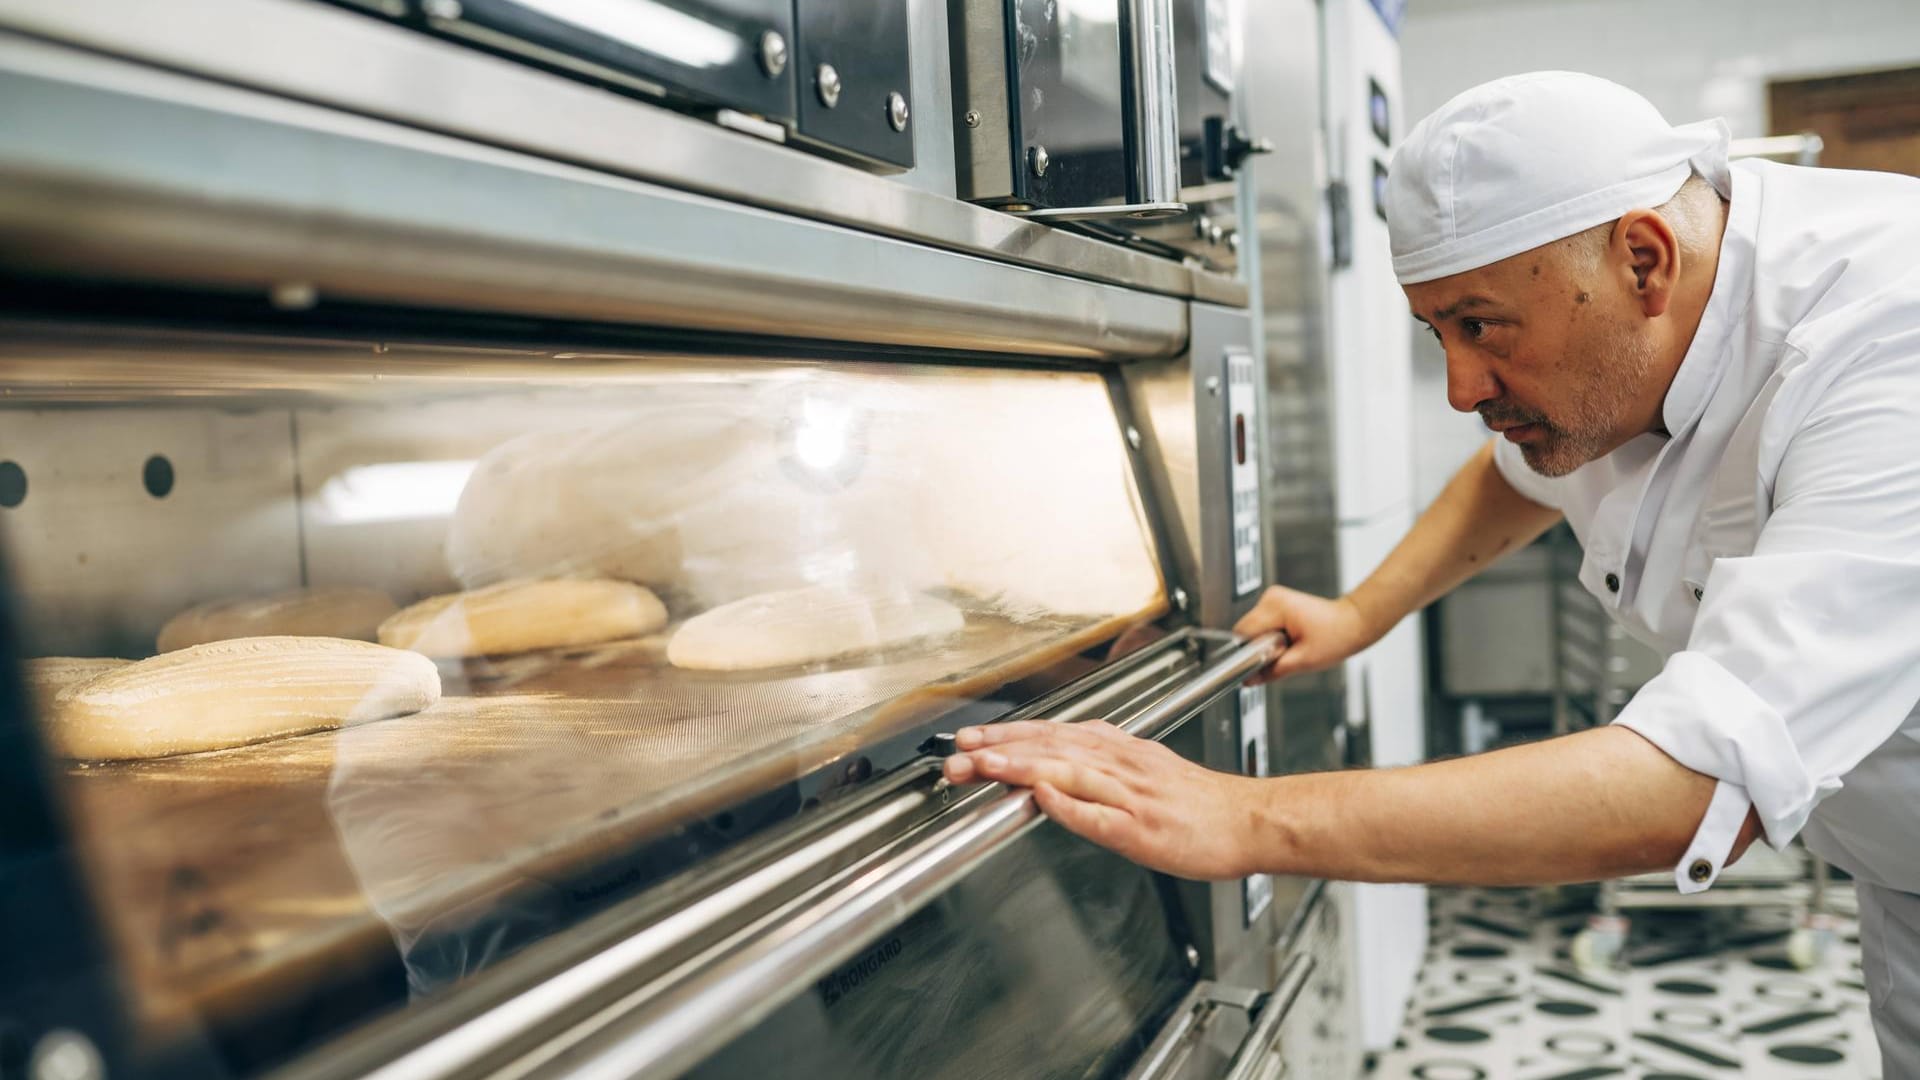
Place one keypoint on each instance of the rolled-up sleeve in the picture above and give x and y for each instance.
(1804, 656)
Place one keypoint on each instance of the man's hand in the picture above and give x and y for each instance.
(1323, 632)
(1132, 795)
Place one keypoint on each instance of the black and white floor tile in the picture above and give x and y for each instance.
(1704, 995)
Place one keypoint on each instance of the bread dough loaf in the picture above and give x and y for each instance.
(341, 611)
(230, 693)
(48, 675)
(521, 616)
(801, 626)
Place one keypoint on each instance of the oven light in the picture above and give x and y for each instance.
(820, 438)
(649, 26)
(392, 491)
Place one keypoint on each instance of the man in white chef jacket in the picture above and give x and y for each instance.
(1712, 373)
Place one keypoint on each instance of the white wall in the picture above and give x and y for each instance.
(1692, 60)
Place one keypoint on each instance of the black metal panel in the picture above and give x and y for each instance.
(864, 42)
(1055, 959)
(1069, 132)
(703, 52)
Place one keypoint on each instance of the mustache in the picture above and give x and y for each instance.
(1502, 413)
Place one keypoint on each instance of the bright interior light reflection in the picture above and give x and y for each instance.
(649, 26)
(820, 438)
(1093, 11)
(393, 491)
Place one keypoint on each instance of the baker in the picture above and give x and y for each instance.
(1711, 372)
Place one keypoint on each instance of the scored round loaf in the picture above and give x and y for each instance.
(524, 616)
(338, 611)
(803, 626)
(231, 693)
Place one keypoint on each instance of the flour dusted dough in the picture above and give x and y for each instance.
(521, 616)
(230, 693)
(341, 611)
(800, 626)
(48, 675)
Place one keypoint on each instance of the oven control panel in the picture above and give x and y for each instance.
(1243, 463)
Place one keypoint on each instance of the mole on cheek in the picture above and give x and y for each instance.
(1536, 269)
(1583, 298)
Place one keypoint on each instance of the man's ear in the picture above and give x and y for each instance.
(1652, 252)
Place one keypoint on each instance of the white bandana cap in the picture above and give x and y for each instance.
(1529, 159)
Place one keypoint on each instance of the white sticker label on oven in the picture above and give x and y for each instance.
(1243, 457)
(1256, 891)
(1219, 32)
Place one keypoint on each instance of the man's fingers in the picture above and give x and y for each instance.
(976, 738)
(1104, 825)
(1030, 764)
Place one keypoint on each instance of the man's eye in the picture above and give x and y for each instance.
(1475, 328)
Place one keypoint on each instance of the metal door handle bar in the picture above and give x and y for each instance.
(682, 1024)
(1253, 1053)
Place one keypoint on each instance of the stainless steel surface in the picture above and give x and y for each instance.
(897, 110)
(1039, 159)
(313, 53)
(106, 167)
(1170, 1050)
(1283, 220)
(931, 95)
(1186, 441)
(1155, 181)
(984, 164)
(827, 81)
(85, 543)
(1257, 1054)
(665, 1030)
(1164, 716)
(1320, 1036)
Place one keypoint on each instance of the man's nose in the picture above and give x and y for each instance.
(1469, 382)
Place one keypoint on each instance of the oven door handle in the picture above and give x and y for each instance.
(1256, 1050)
(701, 1011)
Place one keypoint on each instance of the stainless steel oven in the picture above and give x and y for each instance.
(269, 332)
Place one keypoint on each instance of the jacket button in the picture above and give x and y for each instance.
(1613, 583)
(1700, 871)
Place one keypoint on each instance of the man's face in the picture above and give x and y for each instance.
(1548, 348)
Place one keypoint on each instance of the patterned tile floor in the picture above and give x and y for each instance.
(1704, 995)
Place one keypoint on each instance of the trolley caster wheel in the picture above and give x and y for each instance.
(1597, 949)
(1809, 942)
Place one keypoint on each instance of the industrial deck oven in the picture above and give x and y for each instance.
(706, 469)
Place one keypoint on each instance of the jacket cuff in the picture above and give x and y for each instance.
(1713, 841)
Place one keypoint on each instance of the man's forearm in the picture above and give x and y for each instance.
(1478, 518)
(1594, 805)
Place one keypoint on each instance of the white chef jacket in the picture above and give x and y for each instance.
(1778, 564)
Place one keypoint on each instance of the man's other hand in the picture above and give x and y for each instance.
(1129, 794)
(1323, 632)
